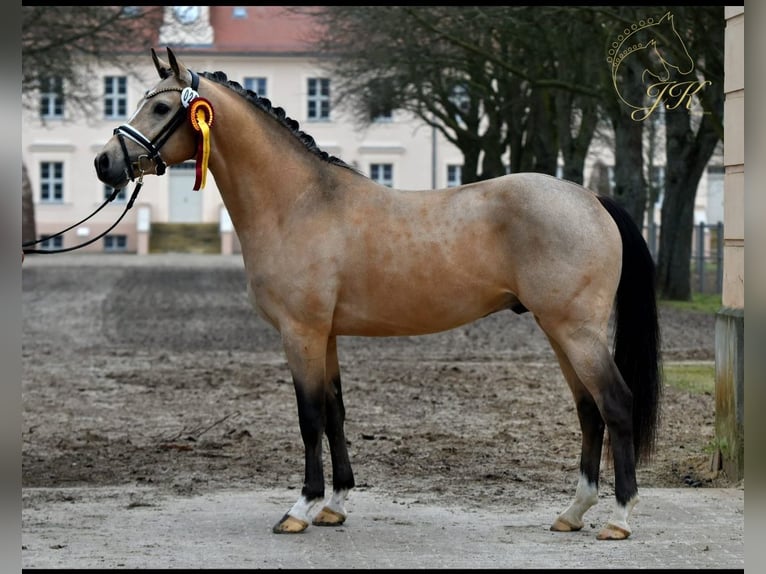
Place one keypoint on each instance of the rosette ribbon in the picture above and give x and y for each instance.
(201, 118)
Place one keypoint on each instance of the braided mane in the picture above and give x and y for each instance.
(277, 113)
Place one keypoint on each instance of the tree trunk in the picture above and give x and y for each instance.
(492, 162)
(629, 183)
(574, 147)
(471, 151)
(543, 134)
(677, 221)
(687, 156)
(28, 227)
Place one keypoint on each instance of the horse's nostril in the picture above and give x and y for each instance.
(102, 163)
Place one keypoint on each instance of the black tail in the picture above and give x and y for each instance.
(637, 331)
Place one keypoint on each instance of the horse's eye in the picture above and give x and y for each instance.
(161, 109)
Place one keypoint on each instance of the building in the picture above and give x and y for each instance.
(730, 320)
(263, 48)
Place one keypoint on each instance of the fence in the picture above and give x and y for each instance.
(706, 257)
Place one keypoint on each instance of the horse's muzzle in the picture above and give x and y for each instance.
(110, 172)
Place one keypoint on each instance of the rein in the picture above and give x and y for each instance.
(99, 236)
(192, 105)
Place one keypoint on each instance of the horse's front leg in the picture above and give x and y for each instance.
(334, 511)
(306, 356)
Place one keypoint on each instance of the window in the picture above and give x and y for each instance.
(51, 182)
(52, 98)
(121, 196)
(258, 85)
(383, 116)
(657, 177)
(49, 242)
(454, 175)
(239, 12)
(460, 97)
(462, 102)
(319, 99)
(115, 243)
(657, 184)
(380, 100)
(382, 173)
(115, 97)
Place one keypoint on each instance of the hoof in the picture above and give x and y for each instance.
(328, 517)
(290, 525)
(563, 525)
(613, 532)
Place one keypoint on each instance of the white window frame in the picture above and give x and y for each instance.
(460, 98)
(51, 242)
(454, 174)
(116, 243)
(116, 95)
(51, 182)
(258, 84)
(382, 178)
(384, 117)
(317, 102)
(52, 98)
(121, 197)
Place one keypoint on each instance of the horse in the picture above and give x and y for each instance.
(329, 252)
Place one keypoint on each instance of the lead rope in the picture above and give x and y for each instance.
(132, 200)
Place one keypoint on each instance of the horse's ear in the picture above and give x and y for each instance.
(179, 70)
(163, 69)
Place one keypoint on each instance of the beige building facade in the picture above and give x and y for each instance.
(258, 46)
(730, 321)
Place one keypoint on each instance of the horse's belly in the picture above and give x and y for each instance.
(405, 312)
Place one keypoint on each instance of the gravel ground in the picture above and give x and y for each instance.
(152, 374)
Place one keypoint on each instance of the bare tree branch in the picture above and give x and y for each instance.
(68, 42)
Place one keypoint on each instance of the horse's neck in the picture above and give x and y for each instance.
(258, 170)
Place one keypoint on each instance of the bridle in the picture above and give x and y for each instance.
(152, 148)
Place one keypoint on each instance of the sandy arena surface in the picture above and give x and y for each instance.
(160, 430)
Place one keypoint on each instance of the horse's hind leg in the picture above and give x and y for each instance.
(592, 427)
(334, 511)
(586, 349)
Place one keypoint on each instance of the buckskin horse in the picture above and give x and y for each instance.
(329, 252)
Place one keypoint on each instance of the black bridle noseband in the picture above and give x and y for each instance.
(153, 150)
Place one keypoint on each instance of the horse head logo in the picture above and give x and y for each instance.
(655, 47)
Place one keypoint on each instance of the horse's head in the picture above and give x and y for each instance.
(158, 134)
(670, 48)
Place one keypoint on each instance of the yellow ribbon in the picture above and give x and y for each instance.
(201, 116)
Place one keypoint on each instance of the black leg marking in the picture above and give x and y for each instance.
(311, 417)
(592, 426)
(618, 414)
(342, 475)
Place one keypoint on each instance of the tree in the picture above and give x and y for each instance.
(490, 79)
(691, 136)
(64, 42)
(537, 86)
(28, 226)
(688, 55)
